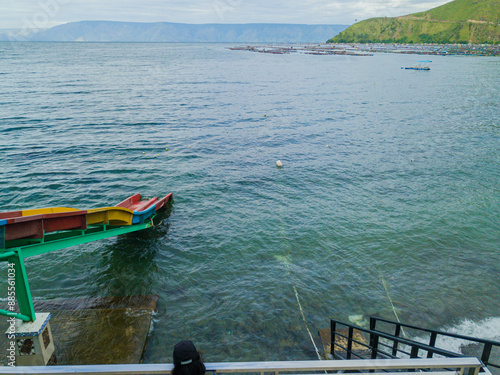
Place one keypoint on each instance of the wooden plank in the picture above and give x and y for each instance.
(47, 210)
(10, 214)
(65, 221)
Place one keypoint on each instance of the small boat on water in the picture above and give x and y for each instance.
(418, 67)
(35, 223)
(104, 215)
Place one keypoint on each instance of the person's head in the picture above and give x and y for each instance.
(187, 360)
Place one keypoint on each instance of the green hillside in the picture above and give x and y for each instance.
(460, 21)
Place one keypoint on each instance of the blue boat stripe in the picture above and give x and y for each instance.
(140, 216)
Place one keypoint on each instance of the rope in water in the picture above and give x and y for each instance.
(302, 310)
(392, 304)
(305, 322)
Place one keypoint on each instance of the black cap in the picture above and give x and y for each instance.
(185, 352)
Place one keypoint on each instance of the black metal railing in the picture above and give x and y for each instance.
(380, 344)
(398, 328)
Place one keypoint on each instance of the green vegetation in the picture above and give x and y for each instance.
(463, 10)
(457, 22)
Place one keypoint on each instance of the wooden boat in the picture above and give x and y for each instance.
(144, 209)
(103, 215)
(35, 223)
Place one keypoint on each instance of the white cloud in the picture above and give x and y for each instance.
(12, 13)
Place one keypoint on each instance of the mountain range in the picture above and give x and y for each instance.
(108, 31)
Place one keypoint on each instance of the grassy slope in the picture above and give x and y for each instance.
(463, 10)
(448, 23)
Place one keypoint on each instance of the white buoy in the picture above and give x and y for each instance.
(279, 163)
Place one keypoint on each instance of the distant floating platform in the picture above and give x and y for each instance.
(417, 68)
(93, 331)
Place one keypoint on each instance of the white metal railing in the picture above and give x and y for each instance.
(434, 366)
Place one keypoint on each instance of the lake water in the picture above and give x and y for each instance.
(388, 201)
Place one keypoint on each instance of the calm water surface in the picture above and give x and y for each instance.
(389, 189)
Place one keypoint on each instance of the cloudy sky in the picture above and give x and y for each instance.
(48, 13)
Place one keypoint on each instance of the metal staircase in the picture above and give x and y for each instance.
(386, 339)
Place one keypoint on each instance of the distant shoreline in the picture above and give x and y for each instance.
(367, 49)
(317, 48)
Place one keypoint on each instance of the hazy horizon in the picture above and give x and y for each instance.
(44, 14)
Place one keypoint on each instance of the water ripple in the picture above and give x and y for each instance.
(388, 178)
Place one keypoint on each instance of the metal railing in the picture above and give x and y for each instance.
(487, 345)
(381, 345)
(437, 366)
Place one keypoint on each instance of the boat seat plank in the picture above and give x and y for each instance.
(129, 201)
(143, 205)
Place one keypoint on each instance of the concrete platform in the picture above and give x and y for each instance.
(95, 330)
